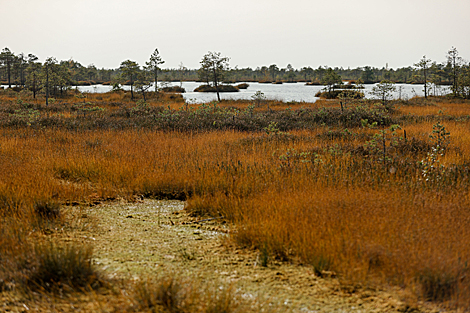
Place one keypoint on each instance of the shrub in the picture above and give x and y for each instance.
(414, 146)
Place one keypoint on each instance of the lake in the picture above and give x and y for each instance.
(287, 92)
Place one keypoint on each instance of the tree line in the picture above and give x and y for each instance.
(53, 77)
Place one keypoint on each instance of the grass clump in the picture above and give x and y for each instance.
(173, 294)
(63, 267)
(439, 285)
(47, 210)
(160, 295)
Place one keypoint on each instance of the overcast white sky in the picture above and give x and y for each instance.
(252, 33)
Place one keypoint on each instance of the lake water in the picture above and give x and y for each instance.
(297, 92)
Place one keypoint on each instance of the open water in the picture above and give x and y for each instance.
(287, 92)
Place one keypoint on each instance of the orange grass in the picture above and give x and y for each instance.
(289, 194)
(123, 97)
(443, 109)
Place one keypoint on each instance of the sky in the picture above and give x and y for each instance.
(343, 33)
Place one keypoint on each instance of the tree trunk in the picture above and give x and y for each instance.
(34, 86)
(47, 86)
(9, 74)
(425, 85)
(216, 85)
(156, 80)
(454, 84)
(132, 91)
(217, 89)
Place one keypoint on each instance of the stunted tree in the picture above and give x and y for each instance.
(330, 79)
(259, 97)
(143, 82)
(152, 65)
(213, 68)
(384, 91)
(454, 61)
(129, 71)
(7, 59)
(19, 67)
(47, 74)
(181, 71)
(33, 74)
(423, 66)
(62, 77)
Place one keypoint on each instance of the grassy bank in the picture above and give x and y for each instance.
(341, 190)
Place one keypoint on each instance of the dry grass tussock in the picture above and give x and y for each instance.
(345, 195)
(174, 294)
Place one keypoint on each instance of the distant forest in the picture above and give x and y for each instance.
(25, 71)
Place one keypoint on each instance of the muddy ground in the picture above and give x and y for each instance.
(158, 236)
(149, 238)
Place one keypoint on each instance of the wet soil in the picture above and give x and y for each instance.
(133, 241)
(152, 237)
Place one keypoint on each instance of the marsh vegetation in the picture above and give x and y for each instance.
(373, 192)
